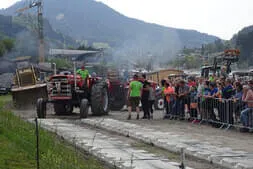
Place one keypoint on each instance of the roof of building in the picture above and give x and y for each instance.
(22, 58)
(68, 52)
(166, 70)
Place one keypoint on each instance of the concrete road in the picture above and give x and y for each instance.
(196, 142)
(227, 149)
(106, 147)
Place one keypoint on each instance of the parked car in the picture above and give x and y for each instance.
(4, 90)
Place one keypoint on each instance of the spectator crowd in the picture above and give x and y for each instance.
(223, 102)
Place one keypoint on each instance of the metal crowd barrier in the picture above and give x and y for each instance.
(221, 113)
(224, 112)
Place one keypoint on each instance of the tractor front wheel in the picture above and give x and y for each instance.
(41, 108)
(84, 109)
(100, 99)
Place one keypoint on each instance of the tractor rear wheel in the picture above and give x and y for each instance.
(84, 109)
(41, 108)
(99, 99)
(117, 98)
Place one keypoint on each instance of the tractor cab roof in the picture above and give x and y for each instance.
(210, 67)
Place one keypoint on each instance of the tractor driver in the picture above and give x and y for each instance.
(84, 73)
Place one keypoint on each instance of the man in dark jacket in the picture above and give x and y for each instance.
(145, 100)
(227, 93)
(183, 93)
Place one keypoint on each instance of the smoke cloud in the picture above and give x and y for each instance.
(148, 46)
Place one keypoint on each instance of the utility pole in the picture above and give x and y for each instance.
(39, 6)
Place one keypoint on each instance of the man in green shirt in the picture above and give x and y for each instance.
(84, 73)
(134, 95)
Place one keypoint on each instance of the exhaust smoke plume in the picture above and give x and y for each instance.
(146, 47)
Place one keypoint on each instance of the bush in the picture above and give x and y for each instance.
(9, 44)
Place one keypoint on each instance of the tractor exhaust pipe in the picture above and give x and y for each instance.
(75, 73)
(54, 67)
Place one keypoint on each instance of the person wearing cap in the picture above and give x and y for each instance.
(134, 95)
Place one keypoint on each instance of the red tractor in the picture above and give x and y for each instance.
(66, 91)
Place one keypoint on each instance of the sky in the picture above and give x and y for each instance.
(222, 18)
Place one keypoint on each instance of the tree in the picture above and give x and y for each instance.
(61, 63)
(244, 42)
(83, 47)
(219, 45)
(188, 51)
(228, 45)
(2, 49)
(9, 44)
(101, 45)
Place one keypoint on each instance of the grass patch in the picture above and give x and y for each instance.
(5, 98)
(18, 146)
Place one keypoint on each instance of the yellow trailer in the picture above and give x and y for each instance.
(27, 88)
(157, 76)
